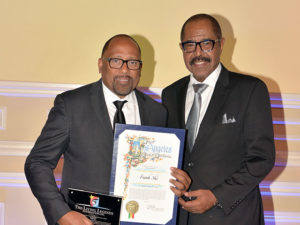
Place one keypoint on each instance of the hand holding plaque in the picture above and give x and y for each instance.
(100, 209)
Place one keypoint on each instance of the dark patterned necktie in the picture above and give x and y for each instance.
(119, 115)
(193, 118)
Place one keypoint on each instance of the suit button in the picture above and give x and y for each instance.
(190, 164)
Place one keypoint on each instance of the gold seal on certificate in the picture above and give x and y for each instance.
(132, 207)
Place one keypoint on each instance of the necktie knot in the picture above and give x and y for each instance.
(199, 88)
(119, 104)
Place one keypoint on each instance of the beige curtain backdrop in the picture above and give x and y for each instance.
(60, 41)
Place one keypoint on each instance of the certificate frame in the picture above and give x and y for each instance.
(120, 129)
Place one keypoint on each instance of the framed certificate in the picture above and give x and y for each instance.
(142, 158)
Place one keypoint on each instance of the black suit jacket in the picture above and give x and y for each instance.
(79, 128)
(229, 158)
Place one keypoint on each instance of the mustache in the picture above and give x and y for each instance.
(199, 58)
(122, 76)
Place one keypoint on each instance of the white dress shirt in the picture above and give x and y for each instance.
(130, 108)
(206, 95)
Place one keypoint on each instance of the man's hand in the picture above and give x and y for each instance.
(181, 183)
(204, 200)
(74, 218)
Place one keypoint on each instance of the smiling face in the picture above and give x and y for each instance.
(200, 63)
(120, 81)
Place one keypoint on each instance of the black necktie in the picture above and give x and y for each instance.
(193, 118)
(119, 115)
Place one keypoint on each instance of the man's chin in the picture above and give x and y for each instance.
(200, 76)
(122, 92)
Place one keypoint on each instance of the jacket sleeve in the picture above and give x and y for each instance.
(43, 159)
(259, 151)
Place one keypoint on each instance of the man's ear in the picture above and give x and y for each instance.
(100, 65)
(222, 43)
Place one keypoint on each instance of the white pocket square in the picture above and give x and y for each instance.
(226, 120)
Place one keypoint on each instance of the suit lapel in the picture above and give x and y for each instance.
(99, 106)
(216, 103)
(142, 108)
(181, 101)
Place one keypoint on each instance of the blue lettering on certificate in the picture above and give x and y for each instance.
(157, 149)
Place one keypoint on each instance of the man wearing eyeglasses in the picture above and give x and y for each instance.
(230, 143)
(80, 127)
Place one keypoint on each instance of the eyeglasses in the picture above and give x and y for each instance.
(132, 64)
(205, 46)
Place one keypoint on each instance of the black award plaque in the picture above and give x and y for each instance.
(100, 209)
